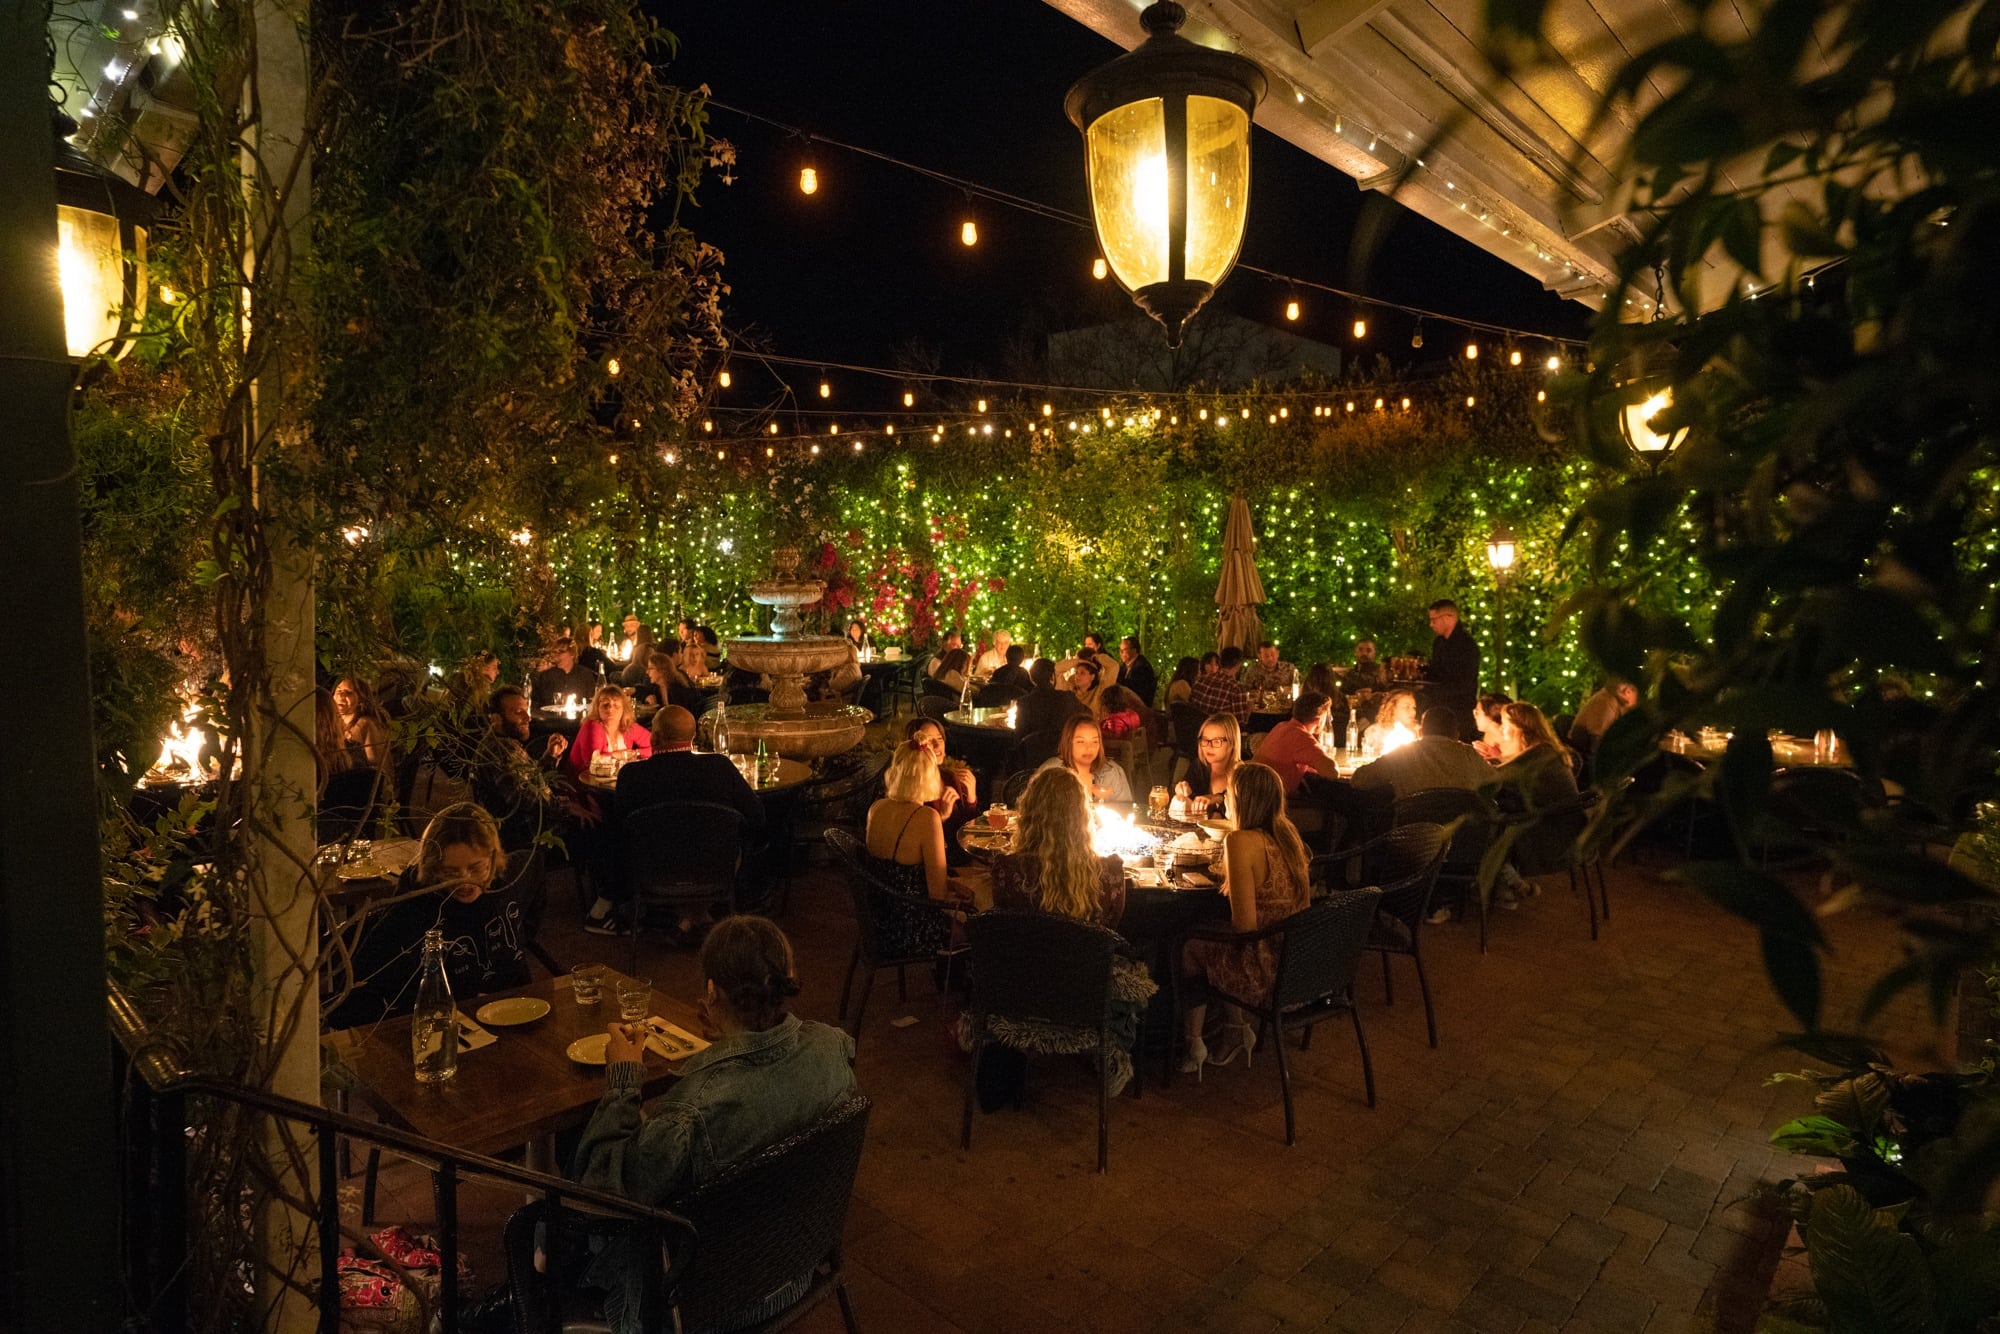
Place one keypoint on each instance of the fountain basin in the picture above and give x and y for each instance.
(811, 733)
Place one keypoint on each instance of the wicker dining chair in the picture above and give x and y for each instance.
(870, 953)
(1048, 971)
(1472, 820)
(1319, 952)
(1404, 864)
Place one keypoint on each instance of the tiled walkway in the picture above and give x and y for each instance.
(1578, 1154)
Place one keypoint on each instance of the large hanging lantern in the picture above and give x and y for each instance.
(1636, 422)
(101, 224)
(1166, 132)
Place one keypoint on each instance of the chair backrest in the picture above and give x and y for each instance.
(1034, 750)
(1038, 967)
(1405, 868)
(838, 796)
(1448, 806)
(1819, 800)
(935, 706)
(862, 884)
(529, 1287)
(1320, 947)
(677, 847)
(1187, 720)
(769, 1219)
(350, 802)
(1014, 785)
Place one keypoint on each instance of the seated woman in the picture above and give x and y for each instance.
(857, 635)
(1218, 750)
(1081, 751)
(905, 839)
(1125, 714)
(1264, 870)
(450, 887)
(1085, 681)
(955, 775)
(1397, 707)
(1053, 870)
(1535, 774)
(1180, 687)
(668, 684)
(1486, 716)
(608, 731)
(364, 734)
(948, 676)
(767, 1075)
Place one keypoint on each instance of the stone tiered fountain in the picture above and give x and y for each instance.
(788, 724)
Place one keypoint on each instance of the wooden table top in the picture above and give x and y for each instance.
(516, 1091)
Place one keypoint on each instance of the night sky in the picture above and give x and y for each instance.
(974, 88)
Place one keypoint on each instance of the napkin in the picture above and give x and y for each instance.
(471, 1037)
(671, 1041)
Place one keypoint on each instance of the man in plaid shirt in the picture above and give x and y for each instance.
(1220, 692)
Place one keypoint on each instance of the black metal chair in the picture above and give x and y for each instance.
(1569, 819)
(1034, 968)
(909, 682)
(1319, 951)
(870, 957)
(680, 855)
(1187, 721)
(838, 799)
(1015, 784)
(732, 1257)
(1034, 750)
(1471, 818)
(1815, 810)
(935, 705)
(1404, 864)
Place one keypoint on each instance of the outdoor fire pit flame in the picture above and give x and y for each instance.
(181, 747)
(1395, 738)
(1118, 836)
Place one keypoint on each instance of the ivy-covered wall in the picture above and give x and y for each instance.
(1361, 522)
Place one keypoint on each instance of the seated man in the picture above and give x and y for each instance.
(995, 657)
(1219, 691)
(1292, 748)
(1367, 673)
(1138, 671)
(676, 772)
(1044, 708)
(1437, 758)
(1611, 702)
(1267, 675)
(768, 1075)
(506, 779)
(1009, 682)
(564, 678)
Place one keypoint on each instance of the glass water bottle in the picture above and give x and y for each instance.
(434, 1023)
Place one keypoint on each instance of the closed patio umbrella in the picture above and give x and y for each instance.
(1239, 590)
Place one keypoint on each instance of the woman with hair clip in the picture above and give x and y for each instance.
(449, 887)
(767, 1075)
(1264, 877)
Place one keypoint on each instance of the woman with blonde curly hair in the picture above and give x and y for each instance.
(1053, 869)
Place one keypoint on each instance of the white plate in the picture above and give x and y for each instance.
(590, 1050)
(512, 1010)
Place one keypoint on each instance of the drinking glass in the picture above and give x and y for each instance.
(1156, 802)
(635, 998)
(587, 982)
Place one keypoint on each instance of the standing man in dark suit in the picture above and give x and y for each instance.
(676, 772)
(1138, 675)
(1454, 666)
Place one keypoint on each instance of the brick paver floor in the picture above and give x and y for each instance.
(1580, 1153)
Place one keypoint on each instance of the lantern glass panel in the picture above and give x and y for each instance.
(1127, 149)
(91, 265)
(1218, 186)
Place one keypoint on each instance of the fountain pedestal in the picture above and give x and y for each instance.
(788, 724)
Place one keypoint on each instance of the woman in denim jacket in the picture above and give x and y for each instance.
(768, 1076)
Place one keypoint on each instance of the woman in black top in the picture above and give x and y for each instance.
(1218, 750)
(450, 887)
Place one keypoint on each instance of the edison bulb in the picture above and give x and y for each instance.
(1099, 269)
(612, 366)
(968, 232)
(1291, 310)
(909, 399)
(825, 389)
(1514, 357)
(1472, 351)
(808, 181)
(1361, 328)
(723, 379)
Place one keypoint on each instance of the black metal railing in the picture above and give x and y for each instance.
(156, 1091)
